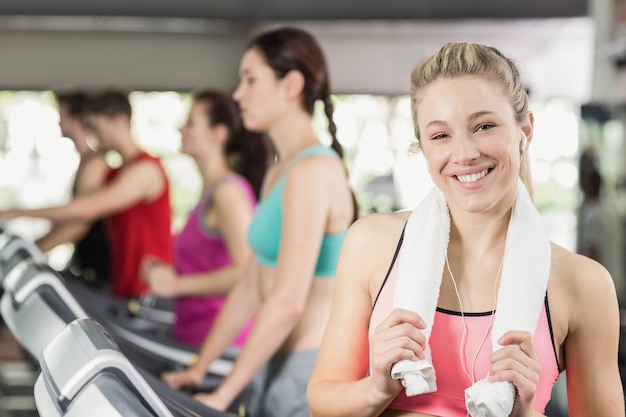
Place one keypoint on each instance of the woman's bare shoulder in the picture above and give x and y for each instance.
(579, 273)
(369, 248)
(377, 235)
(581, 286)
(380, 226)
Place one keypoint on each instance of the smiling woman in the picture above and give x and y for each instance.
(473, 125)
(468, 151)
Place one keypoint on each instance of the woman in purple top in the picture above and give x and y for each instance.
(211, 249)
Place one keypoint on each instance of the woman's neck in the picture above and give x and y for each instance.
(478, 238)
(476, 250)
(213, 171)
(291, 135)
(482, 230)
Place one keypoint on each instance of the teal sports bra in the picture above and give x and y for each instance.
(267, 224)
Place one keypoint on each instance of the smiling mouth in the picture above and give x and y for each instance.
(466, 179)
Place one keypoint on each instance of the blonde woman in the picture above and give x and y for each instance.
(474, 128)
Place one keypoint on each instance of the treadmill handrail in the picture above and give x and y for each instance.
(11, 279)
(221, 367)
(45, 277)
(11, 246)
(99, 352)
(179, 401)
(13, 243)
(5, 237)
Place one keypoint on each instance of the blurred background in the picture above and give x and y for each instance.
(571, 54)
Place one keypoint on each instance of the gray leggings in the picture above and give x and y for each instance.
(279, 389)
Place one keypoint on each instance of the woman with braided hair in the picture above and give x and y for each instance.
(296, 234)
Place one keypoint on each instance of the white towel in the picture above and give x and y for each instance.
(523, 284)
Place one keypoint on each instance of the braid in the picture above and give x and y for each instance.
(332, 127)
(289, 49)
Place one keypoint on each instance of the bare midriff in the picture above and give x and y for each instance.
(310, 328)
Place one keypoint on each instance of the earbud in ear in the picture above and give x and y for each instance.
(523, 145)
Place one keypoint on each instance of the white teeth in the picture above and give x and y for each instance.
(472, 177)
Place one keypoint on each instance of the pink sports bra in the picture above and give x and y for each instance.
(445, 343)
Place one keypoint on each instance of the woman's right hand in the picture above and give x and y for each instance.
(397, 337)
(189, 378)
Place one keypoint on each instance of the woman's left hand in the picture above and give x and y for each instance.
(161, 278)
(212, 400)
(516, 362)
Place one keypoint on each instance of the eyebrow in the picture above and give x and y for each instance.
(479, 114)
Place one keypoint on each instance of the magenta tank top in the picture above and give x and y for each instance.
(445, 344)
(198, 249)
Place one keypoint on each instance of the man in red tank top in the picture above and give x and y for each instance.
(134, 199)
(141, 223)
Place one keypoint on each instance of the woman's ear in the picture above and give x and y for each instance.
(294, 84)
(527, 127)
(220, 133)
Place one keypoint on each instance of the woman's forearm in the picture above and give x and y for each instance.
(345, 399)
(218, 282)
(239, 308)
(273, 324)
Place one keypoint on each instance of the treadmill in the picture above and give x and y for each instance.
(36, 305)
(146, 314)
(84, 373)
(35, 290)
(14, 250)
(139, 339)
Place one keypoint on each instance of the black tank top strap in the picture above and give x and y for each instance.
(393, 261)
